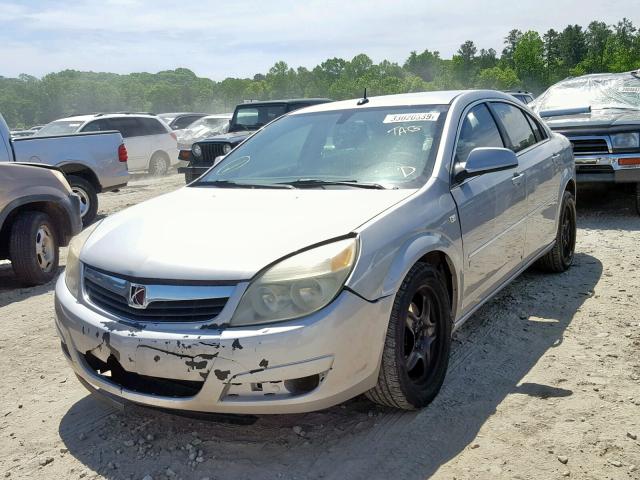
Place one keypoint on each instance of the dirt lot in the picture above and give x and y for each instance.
(544, 383)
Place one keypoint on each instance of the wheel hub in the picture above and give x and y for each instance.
(421, 334)
(45, 248)
(84, 199)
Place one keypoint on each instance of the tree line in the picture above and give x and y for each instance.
(528, 61)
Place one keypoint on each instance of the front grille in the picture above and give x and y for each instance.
(210, 151)
(594, 169)
(110, 293)
(589, 146)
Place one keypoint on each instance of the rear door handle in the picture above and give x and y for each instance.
(517, 178)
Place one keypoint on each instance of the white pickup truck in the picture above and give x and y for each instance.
(92, 162)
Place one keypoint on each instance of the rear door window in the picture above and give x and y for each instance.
(101, 125)
(479, 129)
(516, 125)
(127, 126)
(152, 126)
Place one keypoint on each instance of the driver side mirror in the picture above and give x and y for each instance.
(483, 160)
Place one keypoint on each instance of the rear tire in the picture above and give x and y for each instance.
(560, 257)
(416, 351)
(33, 248)
(158, 165)
(88, 198)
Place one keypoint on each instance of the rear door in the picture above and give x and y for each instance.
(491, 211)
(135, 139)
(542, 176)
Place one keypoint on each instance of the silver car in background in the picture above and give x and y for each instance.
(331, 254)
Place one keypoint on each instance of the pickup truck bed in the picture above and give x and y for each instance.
(93, 162)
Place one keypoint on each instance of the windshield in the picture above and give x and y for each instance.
(393, 147)
(598, 92)
(252, 117)
(61, 127)
(203, 128)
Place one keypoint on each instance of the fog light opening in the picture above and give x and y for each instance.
(298, 386)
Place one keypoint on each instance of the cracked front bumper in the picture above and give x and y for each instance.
(246, 370)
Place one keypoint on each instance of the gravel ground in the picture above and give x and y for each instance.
(543, 383)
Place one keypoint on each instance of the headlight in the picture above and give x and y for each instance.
(226, 148)
(623, 141)
(197, 151)
(297, 286)
(72, 271)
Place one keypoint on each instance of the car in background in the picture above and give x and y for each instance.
(247, 118)
(201, 129)
(151, 145)
(524, 97)
(26, 133)
(39, 213)
(331, 254)
(180, 120)
(600, 115)
(92, 162)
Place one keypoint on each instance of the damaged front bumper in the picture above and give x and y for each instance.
(289, 367)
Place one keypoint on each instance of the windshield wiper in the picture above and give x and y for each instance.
(315, 182)
(232, 184)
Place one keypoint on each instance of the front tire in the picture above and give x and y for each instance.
(416, 351)
(33, 248)
(88, 198)
(560, 257)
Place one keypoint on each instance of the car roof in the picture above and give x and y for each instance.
(180, 114)
(445, 97)
(286, 101)
(219, 115)
(92, 116)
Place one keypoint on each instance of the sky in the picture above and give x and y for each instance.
(243, 37)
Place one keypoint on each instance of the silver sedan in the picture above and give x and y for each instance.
(331, 254)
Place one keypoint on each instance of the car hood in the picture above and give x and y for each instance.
(595, 119)
(226, 234)
(232, 137)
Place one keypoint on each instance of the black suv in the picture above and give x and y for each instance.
(247, 118)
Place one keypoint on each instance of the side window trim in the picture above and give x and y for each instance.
(465, 112)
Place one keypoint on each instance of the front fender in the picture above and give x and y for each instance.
(391, 245)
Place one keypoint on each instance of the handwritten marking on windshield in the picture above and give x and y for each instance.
(399, 131)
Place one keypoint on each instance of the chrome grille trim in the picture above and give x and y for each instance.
(166, 303)
(591, 145)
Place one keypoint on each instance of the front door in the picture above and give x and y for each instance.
(492, 210)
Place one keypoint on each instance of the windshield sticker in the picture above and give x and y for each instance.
(411, 117)
(629, 89)
(399, 131)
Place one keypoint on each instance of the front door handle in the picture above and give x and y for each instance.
(555, 158)
(517, 178)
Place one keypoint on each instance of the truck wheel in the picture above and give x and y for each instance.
(416, 351)
(158, 165)
(560, 257)
(88, 198)
(33, 248)
(637, 198)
